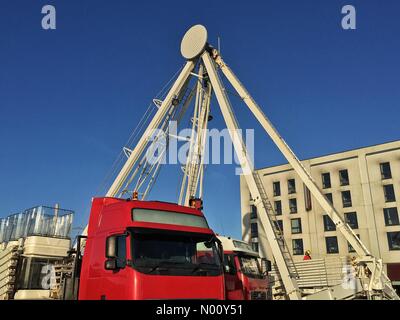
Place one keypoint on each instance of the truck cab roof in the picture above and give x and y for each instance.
(238, 246)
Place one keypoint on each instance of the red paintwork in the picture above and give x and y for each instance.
(239, 286)
(110, 216)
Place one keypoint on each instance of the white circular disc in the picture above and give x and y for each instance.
(194, 42)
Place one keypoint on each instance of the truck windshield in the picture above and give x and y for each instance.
(172, 253)
(250, 267)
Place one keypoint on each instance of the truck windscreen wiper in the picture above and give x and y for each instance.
(157, 267)
(201, 267)
(163, 266)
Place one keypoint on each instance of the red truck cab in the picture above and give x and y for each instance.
(244, 279)
(149, 250)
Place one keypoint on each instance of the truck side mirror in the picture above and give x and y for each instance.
(220, 250)
(110, 264)
(111, 247)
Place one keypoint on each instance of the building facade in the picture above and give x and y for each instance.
(364, 187)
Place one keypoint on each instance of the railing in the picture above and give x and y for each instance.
(37, 221)
(316, 273)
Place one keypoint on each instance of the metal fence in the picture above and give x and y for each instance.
(316, 273)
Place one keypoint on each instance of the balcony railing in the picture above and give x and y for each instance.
(37, 221)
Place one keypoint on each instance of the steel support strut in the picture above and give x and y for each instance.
(290, 283)
(153, 125)
(343, 227)
(155, 122)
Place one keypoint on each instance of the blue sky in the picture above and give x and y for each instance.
(70, 97)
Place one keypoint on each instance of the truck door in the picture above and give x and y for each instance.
(116, 283)
(233, 285)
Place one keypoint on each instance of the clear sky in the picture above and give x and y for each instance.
(70, 97)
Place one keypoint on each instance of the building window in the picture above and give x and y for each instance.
(386, 173)
(394, 240)
(291, 186)
(328, 223)
(391, 216)
(388, 190)
(344, 177)
(297, 247)
(254, 246)
(296, 225)
(346, 199)
(307, 199)
(254, 230)
(32, 276)
(326, 180)
(293, 205)
(279, 225)
(331, 245)
(350, 247)
(253, 212)
(330, 198)
(278, 207)
(277, 188)
(351, 219)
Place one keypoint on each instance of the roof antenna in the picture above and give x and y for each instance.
(219, 45)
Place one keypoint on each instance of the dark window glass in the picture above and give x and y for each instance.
(344, 177)
(253, 212)
(351, 219)
(177, 253)
(331, 245)
(389, 193)
(296, 225)
(34, 273)
(277, 188)
(293, 205)
(394, 240)
(346, 199)
(386, 173)
(279, 225)
(254, 230)
(229, 263)
(291, 186)
(349, 246)
(307, 199)
(250, 267)
(326, 180)
(254, 245)
(329, 196)
(297, 247)
(391, 216)
(278, 207)
(328, 223)
(121, 252)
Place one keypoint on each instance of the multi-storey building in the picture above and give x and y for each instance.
(364, 187)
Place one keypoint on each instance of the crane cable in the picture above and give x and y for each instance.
(177, 116)
(119, 159)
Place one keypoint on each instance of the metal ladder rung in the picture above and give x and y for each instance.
(278, 233)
